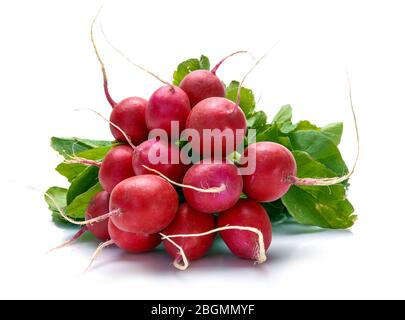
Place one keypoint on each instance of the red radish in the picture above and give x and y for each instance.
(116, 167)
(246, 213)
(220, 114)
(276, 172)
(129, 114)
(98, 206)
(203, 84)
(145, 203)
(166, 105)
(133, 242)
(155, 149)
(275, 164)
(223, 175)
(189, 221)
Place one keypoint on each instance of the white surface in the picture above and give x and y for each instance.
(48, 69)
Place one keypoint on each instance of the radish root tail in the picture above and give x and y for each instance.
(260, 250)
(105, 78)
(238, 95)
(86, 162)
(334, 180)
(97, 253)
(76, 236)
(133, 63)
(129, 141)
(215, 69)
(219, 189)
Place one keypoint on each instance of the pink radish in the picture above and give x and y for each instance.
(275, 165)
(246, 213)
(143, 155)
(116, 167)
(276, 171)
(166, 105)
(129, 114)
(203, 84)
(218, 114)
(98, 206)
(140, 204)
(145, 203)
(189, 221)
(223, 175)
(133, 242)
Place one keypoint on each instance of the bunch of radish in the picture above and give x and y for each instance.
(140, 206)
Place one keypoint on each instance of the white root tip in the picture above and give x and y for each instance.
(219, 189)
(180, 263)
(97, 253)
(70, 241)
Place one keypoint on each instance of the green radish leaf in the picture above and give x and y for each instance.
(72, 170)
(306, 125)
(205, 63)
(58, 196)
(71, 146)
(59, 201)
(83, 182)
(247, 98)
(311, 210)
(188, 66)
(321, 148)
(77, 208)
(257, 120)
(267, 133)
(277, 211)
(333, 131)
(284, 115)
(325, 207)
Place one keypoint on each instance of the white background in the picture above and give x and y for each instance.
(48, 69)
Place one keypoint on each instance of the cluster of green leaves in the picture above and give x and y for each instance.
(315, 150)
(83, 180)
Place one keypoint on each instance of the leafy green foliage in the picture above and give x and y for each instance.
(56, 199)
(325, 207)
(247, 98)
(317, 155)
(83, 179)
(70, 146)
(277, 212)
(188, 66)
(72, 170)
(83, 182)
(77, 208)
